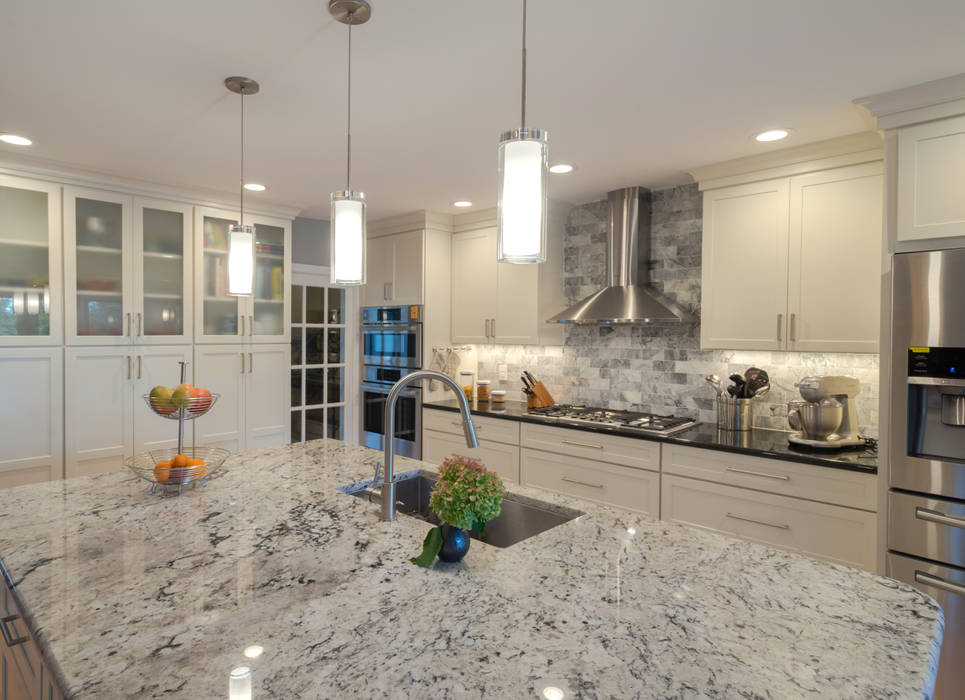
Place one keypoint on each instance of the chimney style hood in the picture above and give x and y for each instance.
(628, 297)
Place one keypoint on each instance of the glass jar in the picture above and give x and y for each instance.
(466, 381)
(482, 390)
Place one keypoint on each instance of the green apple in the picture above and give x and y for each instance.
(180, 397)
(161, 399)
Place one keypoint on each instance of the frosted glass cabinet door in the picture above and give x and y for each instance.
(162, 309)
(97, 246)
(220, 318)
(31, 311)
(271, 303)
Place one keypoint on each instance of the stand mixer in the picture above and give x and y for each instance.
(816, 391)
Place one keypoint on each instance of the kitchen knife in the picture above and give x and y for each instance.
(530, 377)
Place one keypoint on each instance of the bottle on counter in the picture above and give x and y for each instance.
(482, 390)
(466, 381)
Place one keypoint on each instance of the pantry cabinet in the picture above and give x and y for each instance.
(393, 269)
(794, 263)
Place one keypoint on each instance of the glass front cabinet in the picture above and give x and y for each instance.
(31, 295)
(260, 318)
(127, 264)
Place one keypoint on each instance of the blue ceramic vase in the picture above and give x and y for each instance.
(455, 543)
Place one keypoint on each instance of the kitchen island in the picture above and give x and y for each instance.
(132, 595)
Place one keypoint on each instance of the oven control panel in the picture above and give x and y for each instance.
(948, 363)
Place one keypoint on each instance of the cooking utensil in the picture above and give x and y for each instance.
(714, 381)
(817, 420)
(530, 377)
(523, 379)
(739, 384)
(756, 380)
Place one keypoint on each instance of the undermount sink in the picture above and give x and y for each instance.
(520, 518)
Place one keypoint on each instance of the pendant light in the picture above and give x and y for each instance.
(348, 207)
(241, 238)
(522, 188)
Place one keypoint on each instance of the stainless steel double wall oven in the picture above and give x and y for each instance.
(391, 349)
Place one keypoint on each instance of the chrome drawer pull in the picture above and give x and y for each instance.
(934, 516)
(780, 526)
(582, 483)
(763, 474)
(929, 580)
(476, 425)
(6, 634)
(581, 444)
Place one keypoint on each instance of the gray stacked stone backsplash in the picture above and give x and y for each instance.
(660, 368)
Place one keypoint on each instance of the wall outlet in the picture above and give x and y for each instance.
(503, 373)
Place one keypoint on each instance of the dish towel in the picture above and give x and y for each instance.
(444, 360)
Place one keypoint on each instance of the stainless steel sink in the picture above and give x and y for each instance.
(520, 517)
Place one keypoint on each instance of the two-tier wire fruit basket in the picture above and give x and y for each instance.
(174, 468)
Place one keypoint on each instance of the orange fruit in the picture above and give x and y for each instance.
(162, 472)
(196, 462)
(180, 461)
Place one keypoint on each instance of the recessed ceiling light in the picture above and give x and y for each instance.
(561, 168)
(15, 140)
(462, 203)
(254, 651)
(255, 187)
(772, 135)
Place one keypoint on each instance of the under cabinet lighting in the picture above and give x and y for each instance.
(561, 168)
(254, 187)
(15, 140)
(772, 135)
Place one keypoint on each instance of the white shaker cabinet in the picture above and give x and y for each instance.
(473, 285)
(393, 269)
(931, 170)
(267, 396)
(153, 366)
(31, 415)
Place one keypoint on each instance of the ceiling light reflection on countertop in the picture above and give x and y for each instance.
(15, 140)
(255, 187)
(561, 168)
(462, 203)
(772, 135)
(631, 530)
(254, 651)
(551, 689)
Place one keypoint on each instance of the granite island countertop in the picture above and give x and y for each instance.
(132, 596)
(772, 444)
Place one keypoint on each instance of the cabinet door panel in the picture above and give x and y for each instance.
(744, 287)
(474, 281)
(154, 366)
(221, 369)
(378, 271)
(517, 300)
(834, 269)
(98, 391)
(97, 267)
(407, 268)
(270, 306)
(31, 298)
(267, 395)
(500, 458)
(31, 417)
(217, 315)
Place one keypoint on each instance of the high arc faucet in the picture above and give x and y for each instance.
(388, 482)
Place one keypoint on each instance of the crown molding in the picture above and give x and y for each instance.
(936, 99)
(410, 221)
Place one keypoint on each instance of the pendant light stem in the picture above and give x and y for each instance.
(348, 153)
(241, 221)
(522, 116)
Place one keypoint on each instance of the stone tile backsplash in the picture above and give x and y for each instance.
(660, 369)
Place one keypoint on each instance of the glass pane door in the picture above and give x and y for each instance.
(163, 272)
(270, 282)
(220, 310)
(99, 236)
(24, 263)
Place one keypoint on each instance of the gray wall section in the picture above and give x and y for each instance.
(310, 242)
(660, 368)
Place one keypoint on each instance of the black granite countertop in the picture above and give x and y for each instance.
(761, 443)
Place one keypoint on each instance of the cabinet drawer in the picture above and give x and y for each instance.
(630, 452)
(500, 458)
(24, 665)
(492, 429)
(842, 535)
(927, 527)
(635, 489)
(838, 486)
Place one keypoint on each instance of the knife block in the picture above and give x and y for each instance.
(540, 398)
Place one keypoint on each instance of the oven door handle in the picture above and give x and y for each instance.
(409, 392)
(938, 517)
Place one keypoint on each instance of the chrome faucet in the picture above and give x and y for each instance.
(388, 482)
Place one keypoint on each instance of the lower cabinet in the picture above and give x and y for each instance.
(500, 458)
(31, 415)
(23, 673)
(842, 535)
(627, 487)
(254, 384)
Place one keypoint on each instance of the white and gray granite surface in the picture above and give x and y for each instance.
(140, 596)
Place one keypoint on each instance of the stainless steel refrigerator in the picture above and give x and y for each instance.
(926, 499)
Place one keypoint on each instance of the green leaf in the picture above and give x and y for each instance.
(431, 546)
(480, 527)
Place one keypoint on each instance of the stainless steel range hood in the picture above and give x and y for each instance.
(628, 296)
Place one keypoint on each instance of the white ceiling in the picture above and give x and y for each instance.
(636, 94)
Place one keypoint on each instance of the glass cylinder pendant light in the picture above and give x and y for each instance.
(522, 188)
(241, 238)
(348, 206)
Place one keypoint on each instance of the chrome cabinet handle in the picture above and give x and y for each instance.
(581, 444)
(139, 323)
(938, 582)
(581, 483)
(128, 366)
(792, 333)
(780, 526)
(251, 325)
(242, 362)
(387, 291)
(780, 327)
(476, 425)
(782, 477)
(492, 325)
(486, 323)
(128, 323)
(138, 366)
(7, 637)
(934, 516)
(251, 362)
(242, 331)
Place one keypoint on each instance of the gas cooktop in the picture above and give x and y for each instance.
(648, 423)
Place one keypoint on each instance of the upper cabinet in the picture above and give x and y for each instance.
(931, 170)
(794, 263)
(221, 318)
(393, 270)
(163, 272)
(31, 291)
